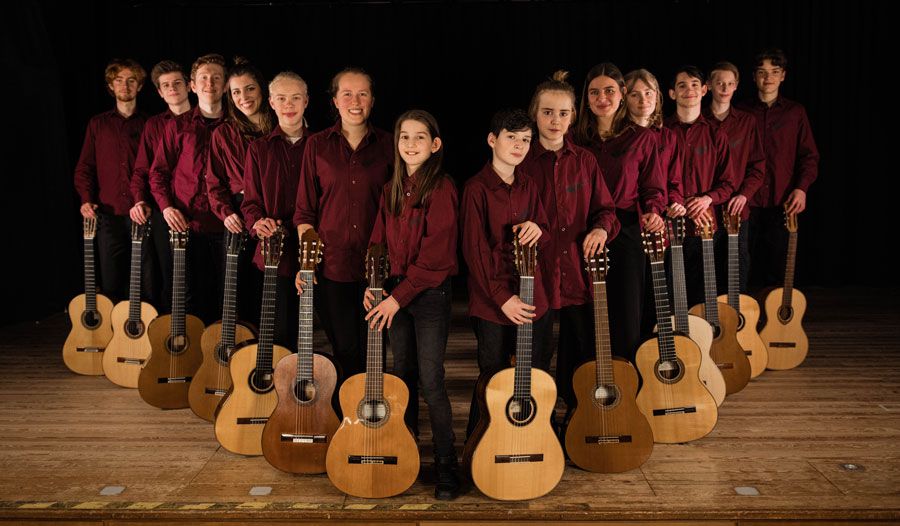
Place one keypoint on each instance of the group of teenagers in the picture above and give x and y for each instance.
(575, 176)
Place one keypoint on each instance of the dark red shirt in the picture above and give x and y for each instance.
(103, 172)
(792, 160)
(705, 160)
(487, 214)
(748, 162)
(340, 189)
(421, 241)
(271, 177)
(576, 200)
(630, 168)
(178, 172)
(140, 179)
(225, 171)
(669, 163)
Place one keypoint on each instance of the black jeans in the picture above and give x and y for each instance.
(205, 275)
(156, 259)
(113, 253)
(625, 285)
(576, 345)
(418, 336)
(768, 246)
(340, 308)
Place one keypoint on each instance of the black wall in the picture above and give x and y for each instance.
(459, 60)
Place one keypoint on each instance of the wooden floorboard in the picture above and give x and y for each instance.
(64, 437)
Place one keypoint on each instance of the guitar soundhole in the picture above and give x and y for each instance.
(606, 396)
(134, 329)
(222, 354)
(305, 391)
(520, 412)
(785, 314)
(669, 371)
(177, 344)
(373, 412)
(716, 330)
(741, 322)
(91, 319)
(261, 382)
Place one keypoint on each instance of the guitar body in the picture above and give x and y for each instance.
(504, 479)
(784, 336)
(297, 435)
(164, 363)
(726, 352)
(607, 432)
(83, 350)
(677, 405)
(710, 375)
(129, 347)
(391, 439)
(747, 336)
(213, 379)
(243, 413)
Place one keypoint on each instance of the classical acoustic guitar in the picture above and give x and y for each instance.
(174, 342)
(725, 350)
(518, 456)
(130, 345)
(783, 333)
(672, 397)
(373, 454)
(90, 314)
(297, 435)
(694, 327)
(243, 413)
(745, 306)
(213, 380)
(607, 432)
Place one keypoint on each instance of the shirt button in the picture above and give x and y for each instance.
(563, 273)
(563, 229)
(565, 251)
(407, 194)
(353, 181)
(354, 226)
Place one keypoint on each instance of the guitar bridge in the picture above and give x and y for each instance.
(174, 379)
(371, 459)
(88, 349)
(252, 420)
(782, 345)
(674, 411)
(130, 361)
(518, 459)
(216, 392)
(621, 439)
(303, 439)
(748, 353)
(727, 365)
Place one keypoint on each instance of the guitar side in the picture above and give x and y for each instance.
(84, 346)
(128, 351)
(312, 423)
(152, 386)
(725, 350)
(354, 439)
(492, 471)
(747, 335)
(785, 339)
(213, 379)
(613, 438)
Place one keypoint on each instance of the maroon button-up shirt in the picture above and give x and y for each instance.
(748, 162)
(631, 171)
(669, 163)
(706, 163)
(225, 169)
(103, 172)
(576, 200)
(421, 241)
(792, 160)
(271, 177)
(340, 189)
(178, 172)
(487, 214)
(140, 179)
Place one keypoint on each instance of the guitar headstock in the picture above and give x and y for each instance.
(525, 256)
(234, 243)
(706, 231)
(732, 223)
(377, 265)
(676, 229)
(271, 248)
(310, 250)
(597, 266)
(179, 239)
(139, 231)
(90, 227)
(790, 221)
(654, 246)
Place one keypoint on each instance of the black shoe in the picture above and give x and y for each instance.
(446, 471)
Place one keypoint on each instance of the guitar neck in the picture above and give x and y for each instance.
(734, 282)
(602, 341)
(787, 291)
(374, 360)
(178, 292)
(267, 321)
(709, 283)
(134, 290)
(524, 337)
(679, 290)
(228, 300)
(663, 320)
(90, 286)
(305, 331)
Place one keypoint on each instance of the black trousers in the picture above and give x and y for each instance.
(287, 308)
(156, 260)
(340, 309)
(576, 345)
(497, 343)
(249, 281)
(625, 285)
(205, 275)
(418, 336)
(112, 256)
(768, 246)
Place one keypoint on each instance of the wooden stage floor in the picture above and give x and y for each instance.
(65, 437)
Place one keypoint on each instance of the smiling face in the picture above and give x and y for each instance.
(415, 144)
(723, 86)
(209, 83)
(768, 77)
(173, 88)
(245, 93)
(354, 99)
(510, 147)
(125, 85)
(554, 116)
(289, 100)
(604, 96)
(688, 92)
(641, 102)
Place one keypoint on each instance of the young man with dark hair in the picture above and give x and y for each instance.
(792, 164)
(103, 174)
(172, 85)
(178, 183)
(706, 171)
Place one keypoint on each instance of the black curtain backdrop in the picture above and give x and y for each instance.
(461, 61)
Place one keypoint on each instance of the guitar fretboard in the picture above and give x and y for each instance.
(602, 344)
(524, 336)
(178, 292)
(709, 283)
(134, 286)
(305, 331)
(228, 301)
(787, 291)
(374, 370)
(90, 286)
(734, 282)
(267, 320)
(663, 319)
(679, 290)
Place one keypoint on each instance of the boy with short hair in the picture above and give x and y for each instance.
(498, 202)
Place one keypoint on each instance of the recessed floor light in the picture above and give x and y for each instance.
(260, 490)
(853, 467)
(112, 490)
(746, 490)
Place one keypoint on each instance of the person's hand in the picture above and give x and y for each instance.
(175, 219)
(796, 202)
(87, 211)
(299, 283)
(383, 312)
(266, 226)
(652, 222)
(736, 205)
(518, 311)
(139, 213)
(675, 210)
(695, 205)
(594, 242)
(527, 232)
(234, 224)
(702, 219)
